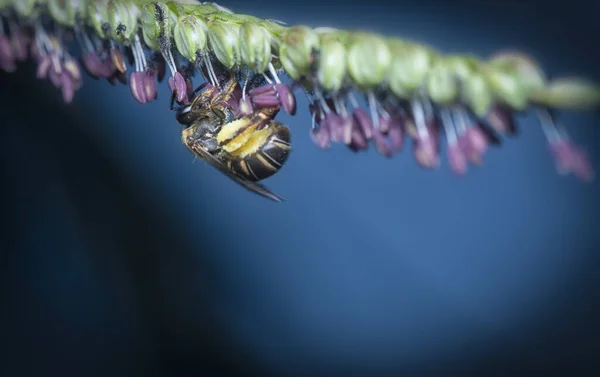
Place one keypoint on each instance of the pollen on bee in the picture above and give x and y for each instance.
(253, 143)
(234, 134)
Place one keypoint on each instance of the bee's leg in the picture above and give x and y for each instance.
(210, 144)
(225, 94)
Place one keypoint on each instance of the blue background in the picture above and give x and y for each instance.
(124, 256)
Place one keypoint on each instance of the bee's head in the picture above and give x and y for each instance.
(185, 115)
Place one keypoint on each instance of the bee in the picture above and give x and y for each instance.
(247, 150)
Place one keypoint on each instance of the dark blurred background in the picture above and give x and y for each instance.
(122, 256)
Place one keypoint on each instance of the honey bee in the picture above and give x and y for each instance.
(247, 150)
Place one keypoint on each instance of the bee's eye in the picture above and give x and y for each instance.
(184, 115)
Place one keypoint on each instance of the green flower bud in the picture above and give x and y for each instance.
(223, 39)
(410, 65)
(296, 51)
(24, 8)
(156, 20)
(507, 88)
(569, 94)
(463, 66)
(122, 16)
(529, 73)
(59, 11)
(275, 29)
(97, 16)
(255, 46)
(189, 34)
(331, 63)
(369, 60)
(477, 94)
(442, 83)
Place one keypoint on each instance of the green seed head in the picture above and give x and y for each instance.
(24, 8)
(223, 39)
(255, 46)
(122, 17)
(156, 21)
(477, 94)
(190, 38)
(463, 66)
(410, 65)
(369, 59)
(529, 73)
(331, 63)
(442, 83)
(59, 11)
(296, 51)
(507, 88)
(97, 16)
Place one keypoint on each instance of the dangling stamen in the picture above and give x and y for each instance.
(449, 128)
(550, 127)
(373, 109)
(246, 77)
(169, 59)
(211, 72)
(339, 106)
(419, 116)
(460, 118)
(138, 52)
(274, 73)
(322, 101)
(353, 100)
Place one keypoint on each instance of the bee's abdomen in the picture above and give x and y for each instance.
(268, 158)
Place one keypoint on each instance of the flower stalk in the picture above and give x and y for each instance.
(410, 91)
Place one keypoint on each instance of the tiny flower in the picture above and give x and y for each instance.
(335, 124)
(320, 136)
(43, 67)
(92, 64)
(55, 78)
(178, 85)
(501, 120)
(425, 152)
(571, 159)
(474, 144)
(117, 76)
(72, 68)
(320, 132)
(245, 107)
(118, 59)
(286, 97)
(364, 122)
(396, 134)
(150, 86)
(136, 84)
(457, 159)
(67, 86)
(359, 141)
(381, 144)
(266, 100)
(7, 58)
(274, 94)
(19, 44)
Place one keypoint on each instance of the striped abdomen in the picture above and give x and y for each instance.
(263, 153)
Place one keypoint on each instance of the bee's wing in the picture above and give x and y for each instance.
(252, 186)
